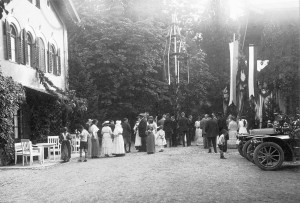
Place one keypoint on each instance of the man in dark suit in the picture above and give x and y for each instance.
(202, 126)
(183, 128)
(142, 132)
(211, 133)
(168, 128)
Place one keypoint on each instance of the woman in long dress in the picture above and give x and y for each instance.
(65, 140)
(243, 124)
(106, 139)
(118, 143)
(95, 141)
(150, 131)
(198, 131)
(88, 126)
(138, 140)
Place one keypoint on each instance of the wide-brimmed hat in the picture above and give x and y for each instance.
(89, 122)
(105, 123)
(142, 114)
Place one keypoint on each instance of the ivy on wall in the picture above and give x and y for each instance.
(12, 95)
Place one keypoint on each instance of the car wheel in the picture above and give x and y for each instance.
(250, 152)
(245, 146)
(268, 156)
(240, 148)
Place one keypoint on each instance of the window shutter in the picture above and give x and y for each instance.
(49, 58)
(7, 40)
(58, 63)
(37, 54)
(25, 47)
(55, 55)
(20, 50)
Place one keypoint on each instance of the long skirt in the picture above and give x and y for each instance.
(138, 140)
(95, 148)
(198, 135)
(106, 144)
(89, 154)
(66, 150)
(118, 146)
(150, 143)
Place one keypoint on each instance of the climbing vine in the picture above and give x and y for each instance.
(12, 95)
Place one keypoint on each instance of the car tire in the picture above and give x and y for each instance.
(240, 148)
(250, 152)
(245, 146)
(268, 156)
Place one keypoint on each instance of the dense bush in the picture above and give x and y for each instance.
(11, 96)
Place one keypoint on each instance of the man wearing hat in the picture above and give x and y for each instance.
(142, 131)
(212, 131)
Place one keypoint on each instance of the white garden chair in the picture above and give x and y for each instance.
(54, 139)
(29, 151)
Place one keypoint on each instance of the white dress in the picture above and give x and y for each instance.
(198, 133)
(160, 138)
(243, 127)
(106, 140)
(138, 141)
(118, 144)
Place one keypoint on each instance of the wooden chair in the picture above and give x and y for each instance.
(29, 151)
(54, 139)
(75, 143)
(18, 151)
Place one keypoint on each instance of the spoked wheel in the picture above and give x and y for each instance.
(250, 152)
(245, 147)
(268, 156)
(240, 148)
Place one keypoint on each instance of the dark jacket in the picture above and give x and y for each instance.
(126, 130)
(211, 128)
(183, 124)
(168, 127)
(142, 128)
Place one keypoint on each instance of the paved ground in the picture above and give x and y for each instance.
(176, 175)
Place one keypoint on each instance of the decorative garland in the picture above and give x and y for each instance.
(70, 96)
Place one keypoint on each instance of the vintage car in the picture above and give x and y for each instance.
(268, 148)
(244, 145)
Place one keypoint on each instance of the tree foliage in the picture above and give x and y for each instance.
(118, 51)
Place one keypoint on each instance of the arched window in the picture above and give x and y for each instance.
(40, 47)
(29, 53)
(13, 44)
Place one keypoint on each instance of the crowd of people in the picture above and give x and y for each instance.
(114, 138)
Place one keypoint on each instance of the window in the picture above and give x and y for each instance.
(38, 4)
(18, 124)
(13, 43)
(41, 50)
(28, 50)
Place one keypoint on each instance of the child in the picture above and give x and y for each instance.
(84, 134)
(160, 138)
(221, 142)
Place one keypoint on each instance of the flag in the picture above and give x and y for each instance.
(234, 53)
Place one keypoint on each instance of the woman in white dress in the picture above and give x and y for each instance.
(118, 143)
(243, 124)
(106, 139)
(138, 141)
(198, 132)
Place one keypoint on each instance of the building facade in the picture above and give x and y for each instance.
(33, 36)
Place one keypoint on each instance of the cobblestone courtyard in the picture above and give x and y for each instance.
(176, 175)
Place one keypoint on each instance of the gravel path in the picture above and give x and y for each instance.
(176, 175)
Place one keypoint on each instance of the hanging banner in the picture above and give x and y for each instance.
(234, 53)
(252, 67)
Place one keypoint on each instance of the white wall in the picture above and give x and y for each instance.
(45, 23)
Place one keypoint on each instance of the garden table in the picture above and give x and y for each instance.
(46, 145)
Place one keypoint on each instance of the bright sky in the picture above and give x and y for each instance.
(237, 7)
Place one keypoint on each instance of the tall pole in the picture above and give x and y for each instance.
(299, 61)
